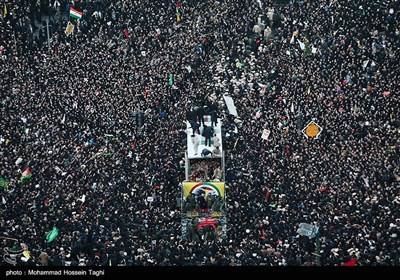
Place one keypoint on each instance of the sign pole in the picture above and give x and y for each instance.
(48, 36)
(318, 249)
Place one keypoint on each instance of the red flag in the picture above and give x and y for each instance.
(47, 202)
(351, 262)
(126, 32)
(267, 195)
(323, 189)
(287, 151)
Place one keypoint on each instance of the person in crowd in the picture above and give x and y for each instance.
(216, 151)
(195, 128)
(207, 133)
(200, 115)
(206, 152)
(195, 142)
(215, 141)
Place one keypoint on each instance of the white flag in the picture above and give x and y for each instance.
(292, 108)
(292, 40)
(313, 50)
(83, 199)
(302, 45)
(365, 63)
(56, 4)
(3, 200)
(18, 161)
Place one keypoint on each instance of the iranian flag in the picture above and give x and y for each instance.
(75, 14)
(26, 175)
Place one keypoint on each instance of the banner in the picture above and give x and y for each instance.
(265, 134)
(231, 106)
(216, 188)
(69, 29)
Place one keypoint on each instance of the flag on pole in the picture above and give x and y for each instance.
(307, 49)
(151, 181)
(313, 49)
(126, 32)
(171, 79)
(5, 10)
(52, 235)
(259, 113)
(75, 13)
(263, 87)
(26, 175)
(267, 195)
(178, 13)
(302, 45)
(133, 145)
(56, 4)
(234, 146)
(292, 39)
(83, 198)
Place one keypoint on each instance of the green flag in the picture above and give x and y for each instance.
(3, 183)
(307, 49)
(171, 79)
(239, 64)
(52, 235)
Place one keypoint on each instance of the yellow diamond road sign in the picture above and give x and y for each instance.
(312, 130)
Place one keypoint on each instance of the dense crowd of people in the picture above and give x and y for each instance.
(111, 189)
